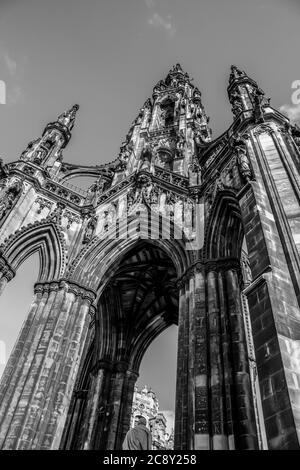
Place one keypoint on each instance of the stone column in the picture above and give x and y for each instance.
(245, 425)
(98, 413)
(37, 385)
(214, 406)
(219, 438)
(201, 427)
(192, 417)
(120, 401)
(181, 418)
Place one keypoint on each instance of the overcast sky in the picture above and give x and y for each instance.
(106, 56)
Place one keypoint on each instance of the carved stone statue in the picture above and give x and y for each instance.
(90, 230)
(243, 161)
(95, 190)
(258, 105)
(180, 145)
(237, 103)
(146, 157)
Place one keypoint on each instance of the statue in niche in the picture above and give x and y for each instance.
(180, 145)
(146, 157)
(237, 103)
(9, 197)
(90, 230)
(258, 103)
(167, 112)
(195, 172)
(243, 160)
(164, 159)
(95, 190)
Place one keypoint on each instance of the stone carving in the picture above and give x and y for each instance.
(243, 160)
(147, 157)
(146, 110)
(71, 217)
(237, 103)
(180, 145)
(43, 203)
(90, 230)
(9, 197)
(258, 102)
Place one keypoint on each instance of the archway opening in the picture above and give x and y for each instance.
(140, 303)
(14, 307)
(154, 395)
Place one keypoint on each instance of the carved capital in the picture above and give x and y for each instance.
(69, 286)
(5, 269)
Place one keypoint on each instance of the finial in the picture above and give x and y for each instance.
(68, 117)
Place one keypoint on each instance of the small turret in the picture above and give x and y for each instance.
(47, 150)
(245, 95)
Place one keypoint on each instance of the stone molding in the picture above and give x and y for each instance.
(69, 286)
(212, 265)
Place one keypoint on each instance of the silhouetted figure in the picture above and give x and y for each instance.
(139, 437)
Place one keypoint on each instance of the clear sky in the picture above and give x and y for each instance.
(106, 56)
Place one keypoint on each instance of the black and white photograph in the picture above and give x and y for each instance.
(149, 228)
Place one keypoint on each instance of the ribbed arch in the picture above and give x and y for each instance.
(224, 236)
(42, 238)
(99, 259)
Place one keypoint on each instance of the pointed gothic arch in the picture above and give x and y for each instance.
(138, 302)
(44, 238)
(224, 237)
(250, 185)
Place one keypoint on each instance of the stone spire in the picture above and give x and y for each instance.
(63, 126)
(245, 95)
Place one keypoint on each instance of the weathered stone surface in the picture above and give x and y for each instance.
(158, 239)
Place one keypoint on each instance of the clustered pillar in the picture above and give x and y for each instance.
(214, 403)
(38, 381)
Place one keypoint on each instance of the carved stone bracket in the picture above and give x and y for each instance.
(72, 218)
(5, 269)
(42, 202)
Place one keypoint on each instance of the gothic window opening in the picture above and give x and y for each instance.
(167, 112)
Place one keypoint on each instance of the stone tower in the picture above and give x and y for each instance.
(157, 239)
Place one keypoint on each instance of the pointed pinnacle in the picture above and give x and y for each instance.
(68, 117)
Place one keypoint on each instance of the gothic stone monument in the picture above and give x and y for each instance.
(156, 240)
